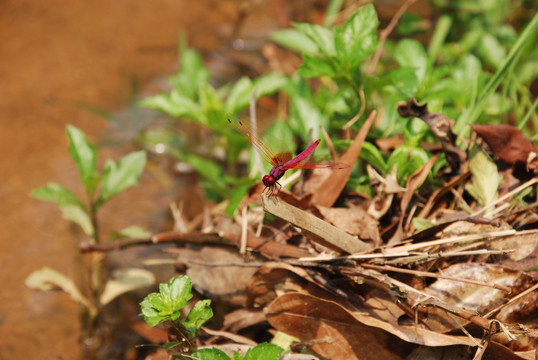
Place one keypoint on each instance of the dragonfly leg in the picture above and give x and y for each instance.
(277, 187)
(273, 190)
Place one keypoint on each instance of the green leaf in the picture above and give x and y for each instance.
(294, 40)
(314, 66)
(124, 280)
(47, 279)
(280, 135)
(212, 107)
(404, 80)
(210, 354)
(264, 351)
(126, 173)
(408, 160)
(237, 356)
(190, 75)
(199, 314)
(486, 178)
(269, 83)
(357, 38)
(421, 224)
(333, 8)
(322, 38)
(174, 104)
(71, 207)
(85, 157)
(373, 156)
(411, 54)
(410, 25)
(239, 96)
(503, 70)
(172, 344)
(491, 50)
(79, 216)
(209, 170)
(235, 199)
(56, 193)
(135, 232)
(166, 305)
(307, 116)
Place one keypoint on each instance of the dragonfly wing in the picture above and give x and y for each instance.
(281, 158)
(301, 161)
(316, 165)
(255, 141)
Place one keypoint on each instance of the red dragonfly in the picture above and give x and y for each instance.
(282, 161)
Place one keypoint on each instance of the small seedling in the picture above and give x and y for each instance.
(99, 188)
(165, 307)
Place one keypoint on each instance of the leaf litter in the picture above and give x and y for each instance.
(338, 286)
(361, 282)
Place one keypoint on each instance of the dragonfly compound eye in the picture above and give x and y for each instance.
(268, 180)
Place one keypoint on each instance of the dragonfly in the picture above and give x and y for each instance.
(282, 161)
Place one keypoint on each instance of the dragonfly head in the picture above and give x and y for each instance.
(268, 180)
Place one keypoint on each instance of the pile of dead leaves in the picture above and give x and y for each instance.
(361, 281)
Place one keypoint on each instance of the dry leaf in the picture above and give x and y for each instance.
(242, 318)
(261, 286)
(339, 333)
(414, 182)
(214, 272)
(506, 142)
(473, 297)
(354, 221)
(486, 178)
(317, 229)
(330, 190)
(333, 333)
(441, 126)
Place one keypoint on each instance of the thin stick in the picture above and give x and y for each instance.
(411, 256)
(425, 256)
(328, 140)
(520, 295)
(355, 118)
(433, 275)
(401, 258)
(384, 34)
(495, 213)
(481, 349)
(462, 328)
(458, 239)
(244, 229)
(507, 195)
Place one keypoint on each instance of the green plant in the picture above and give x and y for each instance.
(344, 76)
(452, 74)
(263, 351)
(165, 307)
(193, 98)
(99, 188)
